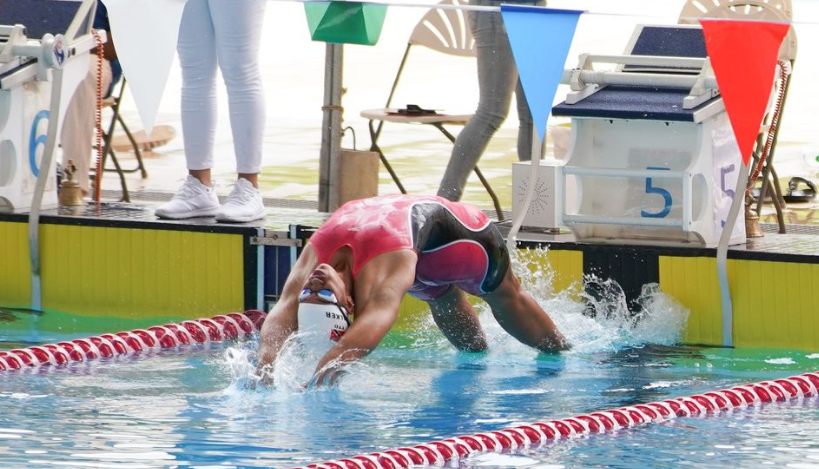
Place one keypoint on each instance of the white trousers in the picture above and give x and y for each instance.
(223, 33)
(77, 134)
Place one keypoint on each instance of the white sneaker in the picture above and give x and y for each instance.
(193, 199)
(244, 204)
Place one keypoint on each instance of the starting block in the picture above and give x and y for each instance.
(652, 157)
(37, 37)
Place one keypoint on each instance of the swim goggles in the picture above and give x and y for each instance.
(326, 295)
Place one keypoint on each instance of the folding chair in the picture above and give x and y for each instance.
(113, 102)
(764, 10)
(444, 31)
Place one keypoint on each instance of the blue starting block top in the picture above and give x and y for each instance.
(642, 102)
(670, 41)
(633, 102)
(41, 16)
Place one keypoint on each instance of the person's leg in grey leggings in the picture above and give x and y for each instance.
(526, 125)
(497, 79)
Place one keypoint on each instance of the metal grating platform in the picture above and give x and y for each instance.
(157, 196)
(791, 229)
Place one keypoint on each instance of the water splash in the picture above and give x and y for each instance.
(654, 318)
(292, 371)
(238, 362)
(528, 266)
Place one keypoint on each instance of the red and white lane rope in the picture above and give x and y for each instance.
(441, 452)
(197, 331)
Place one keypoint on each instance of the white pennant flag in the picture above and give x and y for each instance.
(145, 33)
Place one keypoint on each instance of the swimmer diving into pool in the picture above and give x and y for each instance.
(351, 277)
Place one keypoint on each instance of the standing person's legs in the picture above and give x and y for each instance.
(497, 78)
(238, 28)
(526, 125)
(197, 59)
(78, 129)
(77, 133)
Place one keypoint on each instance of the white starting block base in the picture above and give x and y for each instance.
(652, 181)
(24, 118)
(638, 182)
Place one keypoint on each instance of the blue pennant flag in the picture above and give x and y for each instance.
(540, 40)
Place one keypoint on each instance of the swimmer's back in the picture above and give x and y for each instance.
(373, 226)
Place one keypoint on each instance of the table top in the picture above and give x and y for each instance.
(392, 115)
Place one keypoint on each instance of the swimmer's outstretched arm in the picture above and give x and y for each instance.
(361, 338)
(278, 326)
(282, 321)
(379, 289)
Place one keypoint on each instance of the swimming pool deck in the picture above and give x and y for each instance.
(118, 260)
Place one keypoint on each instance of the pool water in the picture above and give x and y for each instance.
(189, 408)
(195, 407)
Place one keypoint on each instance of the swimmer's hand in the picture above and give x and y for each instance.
(263, 376)
(327, 377)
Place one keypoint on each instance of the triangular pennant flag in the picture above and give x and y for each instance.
(540, 40)
(345, 22)
(743, 55)
(145, 34)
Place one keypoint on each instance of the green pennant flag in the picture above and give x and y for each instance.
(344, 22)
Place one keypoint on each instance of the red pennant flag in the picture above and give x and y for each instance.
(743, 55)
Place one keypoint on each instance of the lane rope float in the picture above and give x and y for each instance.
(197, 331)
(447, 451)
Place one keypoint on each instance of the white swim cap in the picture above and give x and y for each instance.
(325, 320)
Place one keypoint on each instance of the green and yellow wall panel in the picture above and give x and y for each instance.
(108, 274)
(102, 271)
(775, 304)
(145, 274)
(693, 282)
(15, 265)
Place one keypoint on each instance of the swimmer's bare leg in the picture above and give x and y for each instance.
(454, 316)
(522, 317)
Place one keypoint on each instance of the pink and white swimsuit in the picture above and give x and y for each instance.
(455, 242)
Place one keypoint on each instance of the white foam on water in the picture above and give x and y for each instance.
(145, 455)
(667, 384)
(780, 361)
(23, 396)
(516, 392)
(87, 464)
(500, 460)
